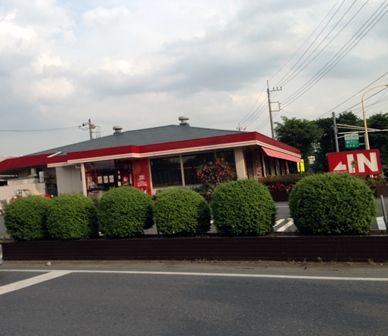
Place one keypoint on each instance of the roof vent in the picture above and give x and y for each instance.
(183, 121)
(117, 129)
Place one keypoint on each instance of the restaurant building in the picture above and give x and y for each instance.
(151, 159)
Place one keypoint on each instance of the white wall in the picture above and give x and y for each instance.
(8, 191)
(69, 180)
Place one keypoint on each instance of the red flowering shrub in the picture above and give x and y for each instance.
(213, 173)
(281, 183)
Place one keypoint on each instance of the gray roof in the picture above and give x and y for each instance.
(141, 137)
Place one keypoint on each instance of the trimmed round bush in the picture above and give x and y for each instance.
(124, 212)
(243, 207)
(181, 211)
(71, 216)
(25, 219)
(332, 204)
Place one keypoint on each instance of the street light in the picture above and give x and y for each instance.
(363, 113)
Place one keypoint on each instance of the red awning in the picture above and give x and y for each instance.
(280, 155)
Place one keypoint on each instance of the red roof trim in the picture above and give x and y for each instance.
(24, 162)
(44, 159)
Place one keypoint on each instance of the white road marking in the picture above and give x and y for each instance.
(31, 281)
(200, 274)
(381, 223)
(288, 227)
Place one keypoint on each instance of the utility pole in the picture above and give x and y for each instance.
(90, 126)
(270, 106)
(335, 132)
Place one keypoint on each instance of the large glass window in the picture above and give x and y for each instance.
(228, 156)
(191, 163)
(166, 172)
(100, 175)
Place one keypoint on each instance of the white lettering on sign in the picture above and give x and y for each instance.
(358, 163)
(363, 161)
(340, 167)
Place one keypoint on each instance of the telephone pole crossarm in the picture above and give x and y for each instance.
(275, 89)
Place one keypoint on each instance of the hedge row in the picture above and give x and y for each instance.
(319, 204)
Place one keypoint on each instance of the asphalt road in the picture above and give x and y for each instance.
(114, 303)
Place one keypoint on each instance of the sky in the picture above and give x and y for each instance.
(143, 63)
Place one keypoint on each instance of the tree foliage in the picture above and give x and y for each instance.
(71, 216)
(124, 212)
(332, 204)
(300, 133)
(243, 207)
(25, 219)
(180, 211)
(379, 139)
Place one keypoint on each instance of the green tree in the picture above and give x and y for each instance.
(379, 139)
(300, 133)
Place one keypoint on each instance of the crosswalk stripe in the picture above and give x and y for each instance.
(31, 281)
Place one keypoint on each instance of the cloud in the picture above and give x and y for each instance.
(101, 15)
(53, 88)
(143, 63)
(15, 38)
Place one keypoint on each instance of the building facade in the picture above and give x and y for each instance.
(151, 159)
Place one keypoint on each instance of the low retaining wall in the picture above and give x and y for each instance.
(311, 248)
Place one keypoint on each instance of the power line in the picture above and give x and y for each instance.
(38, 130)
(308, 38)
(341, 53)
(259, 109)
(354, 95)
(310, 58)
(376, 102)
(251, 114)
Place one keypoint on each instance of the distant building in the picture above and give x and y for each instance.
(150, 159)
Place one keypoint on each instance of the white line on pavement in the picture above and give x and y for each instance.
(31, 281)
(200, 274)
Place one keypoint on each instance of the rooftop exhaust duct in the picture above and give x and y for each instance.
(117, 129)
(183, 121)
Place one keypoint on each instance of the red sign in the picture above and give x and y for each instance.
(141, 176)
(358, 162)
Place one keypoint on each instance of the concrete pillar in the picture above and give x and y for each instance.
(68, 180)
(83, 180)
(240, 164)
(263, 164)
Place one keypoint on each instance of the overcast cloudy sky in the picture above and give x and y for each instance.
(143, 63)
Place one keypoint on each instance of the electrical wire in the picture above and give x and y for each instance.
(340, 54)
(38, 130)
(313, 57)
(259, 109)
(341, 2)
(354, 95)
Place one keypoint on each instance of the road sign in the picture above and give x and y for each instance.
(351, 140)
(358, 162)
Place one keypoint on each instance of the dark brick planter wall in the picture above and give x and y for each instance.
(344, 248)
